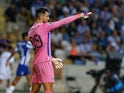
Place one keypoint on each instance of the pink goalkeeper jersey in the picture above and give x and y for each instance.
(39, 35)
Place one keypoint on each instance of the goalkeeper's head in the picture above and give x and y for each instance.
(42, 15)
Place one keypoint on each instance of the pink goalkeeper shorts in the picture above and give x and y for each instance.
(43, 73)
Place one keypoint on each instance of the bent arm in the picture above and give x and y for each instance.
(12, 54)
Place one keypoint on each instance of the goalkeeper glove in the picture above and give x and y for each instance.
(57, 62)
(84, 15)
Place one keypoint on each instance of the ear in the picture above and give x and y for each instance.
(41, 16)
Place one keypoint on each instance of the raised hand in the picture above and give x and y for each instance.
(84, 15)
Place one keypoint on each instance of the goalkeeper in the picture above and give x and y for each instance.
(39, 35)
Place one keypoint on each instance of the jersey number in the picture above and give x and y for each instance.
(36, 42)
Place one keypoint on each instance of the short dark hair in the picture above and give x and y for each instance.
(24, 34)
(41, 10)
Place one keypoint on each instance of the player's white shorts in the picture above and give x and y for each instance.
(5, 75)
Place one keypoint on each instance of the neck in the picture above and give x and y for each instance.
(38, 21)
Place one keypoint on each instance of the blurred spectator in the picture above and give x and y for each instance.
(85, 50)
(58, 9)
(77, 38)
(24, 3)
(22, 19)
(56, 37)
(113, 21)
(65, 35)
(102, 40)
(59, 52)
(122, 63)
(10, 17)
(35, 5)
(66, 46)
(74, 51)
(65, 13)
(122, 36)
(70, 8)
(120, 22)
(94, 30)
(87, 34)
(98, 54)
(115, 38)
(106, 27)
(71, 29)
(105, 14)
(81, 28)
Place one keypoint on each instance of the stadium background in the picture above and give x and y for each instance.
(107, 18)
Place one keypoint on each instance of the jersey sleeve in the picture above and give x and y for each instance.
(61, 22)
(29, 45)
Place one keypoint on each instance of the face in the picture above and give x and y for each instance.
(45, 17)
(27, 38)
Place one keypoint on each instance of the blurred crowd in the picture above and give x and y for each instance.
(80, 40)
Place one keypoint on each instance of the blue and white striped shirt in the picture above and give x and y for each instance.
(23, 48)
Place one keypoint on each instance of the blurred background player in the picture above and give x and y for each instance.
(39, 35)
(6, 70)
(23, 48)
